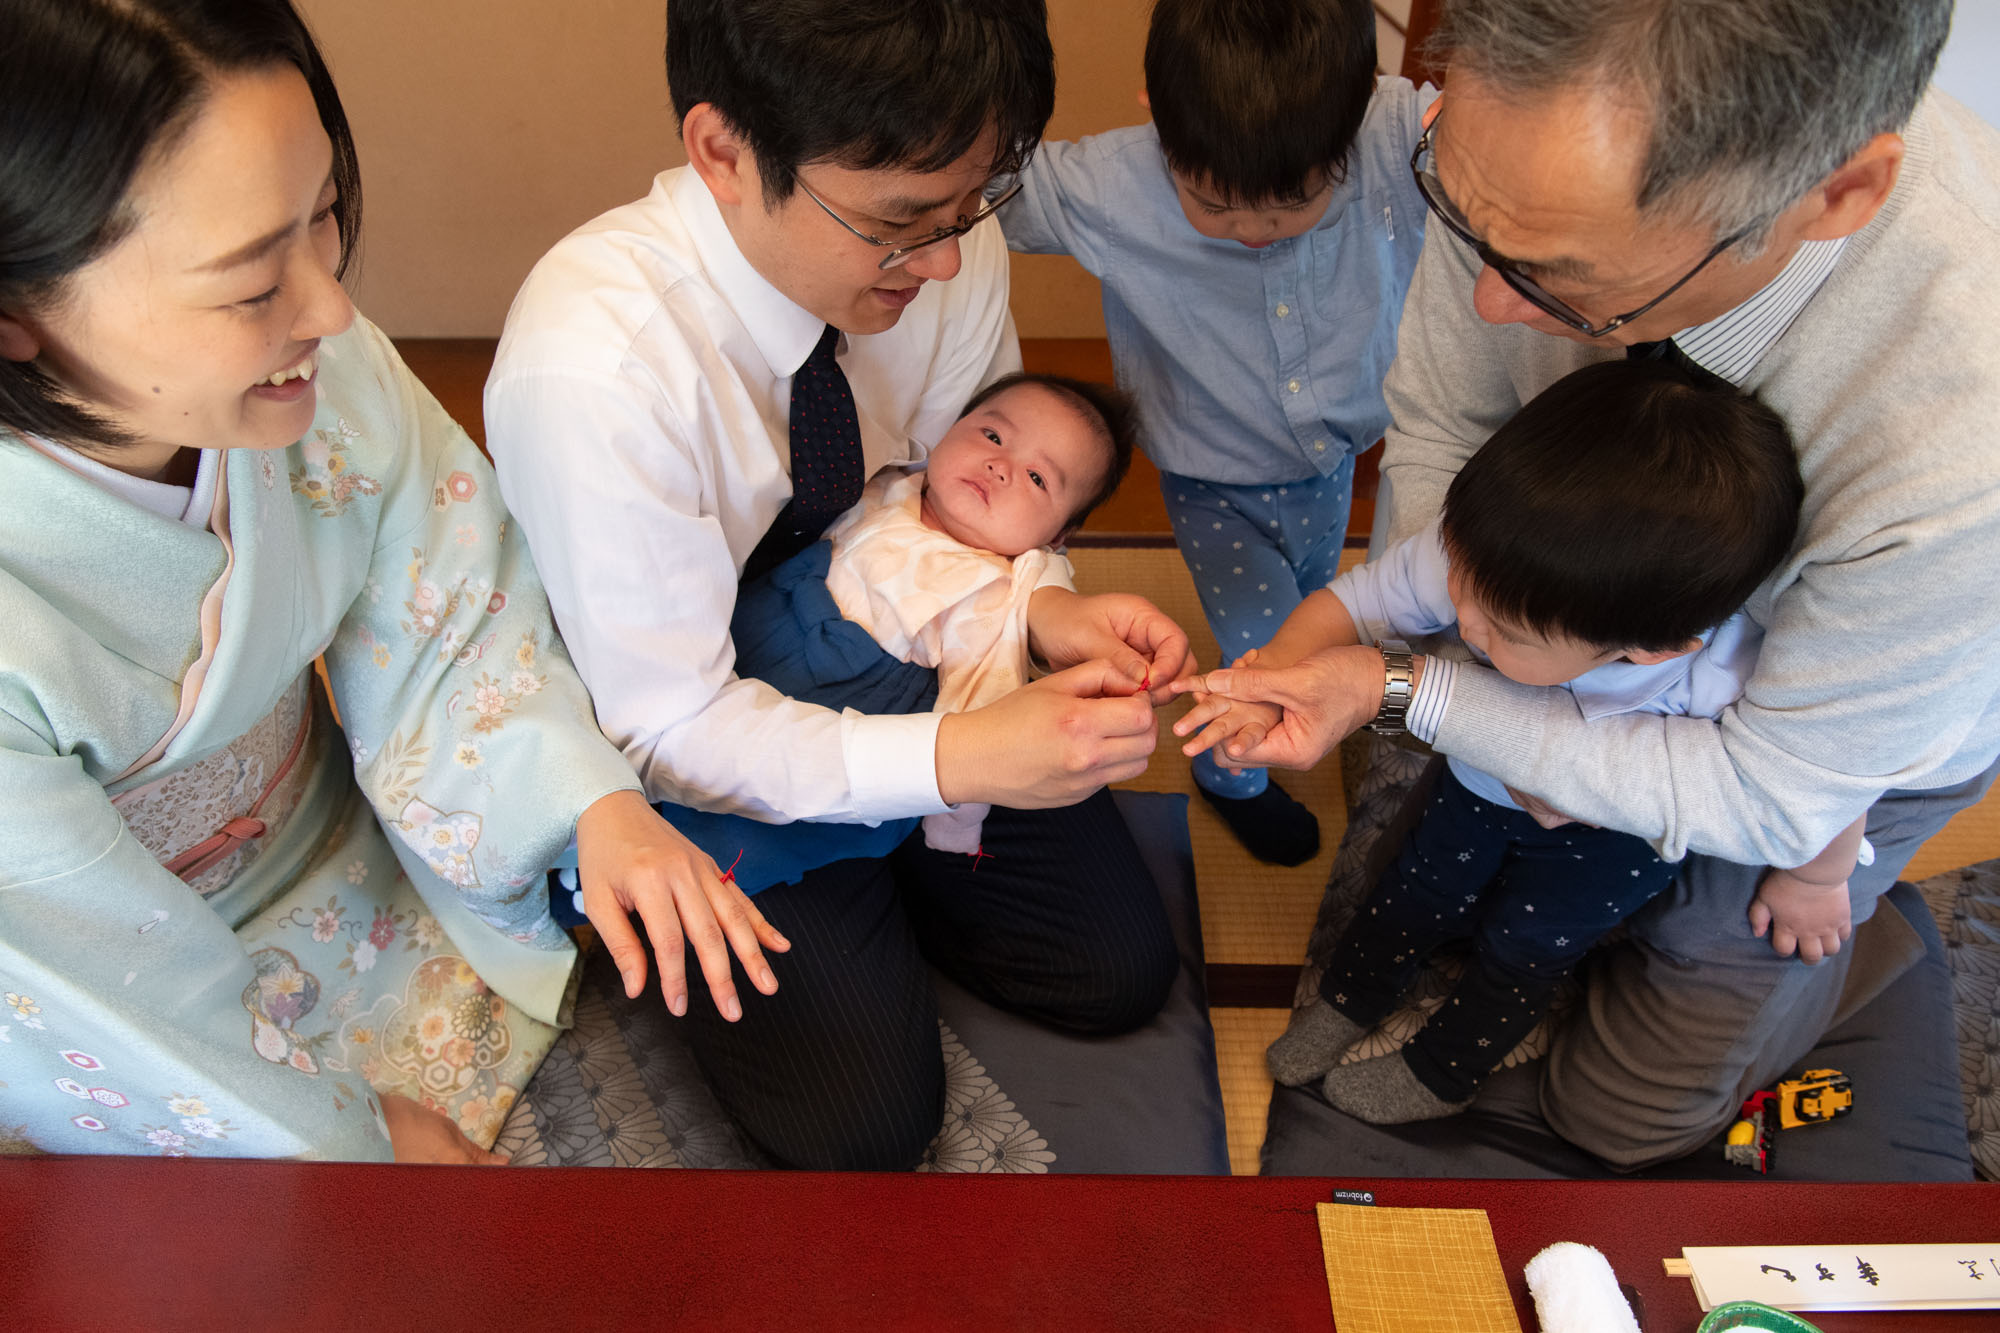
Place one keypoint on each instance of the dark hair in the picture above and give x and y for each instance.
(94, 90)
(892, 83)
(1110, 411)
(1260, 99)
(1626, 506)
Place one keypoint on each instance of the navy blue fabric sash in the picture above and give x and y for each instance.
(790, 635)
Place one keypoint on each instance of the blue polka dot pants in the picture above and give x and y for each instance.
(1255, 552)
(1532, 900)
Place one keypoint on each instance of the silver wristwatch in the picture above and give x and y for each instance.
(1399, 682)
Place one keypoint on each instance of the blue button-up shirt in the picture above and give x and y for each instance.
(1249, 366)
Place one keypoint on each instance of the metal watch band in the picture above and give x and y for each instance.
(1399, 683)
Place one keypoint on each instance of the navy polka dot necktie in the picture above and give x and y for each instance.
(827, 469)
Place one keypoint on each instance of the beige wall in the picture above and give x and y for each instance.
(489, 128)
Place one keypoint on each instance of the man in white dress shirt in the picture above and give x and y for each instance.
(640, 415)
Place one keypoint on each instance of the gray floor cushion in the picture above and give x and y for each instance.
(1966, 904)
(1899, 1051)
(621, 1088)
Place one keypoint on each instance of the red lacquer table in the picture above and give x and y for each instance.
(140, 1243)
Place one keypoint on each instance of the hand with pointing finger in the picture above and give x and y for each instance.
(1325, 696)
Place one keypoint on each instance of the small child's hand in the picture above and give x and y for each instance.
(1811, 918)
(1233, 725)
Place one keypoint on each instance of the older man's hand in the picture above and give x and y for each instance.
(1325, 696)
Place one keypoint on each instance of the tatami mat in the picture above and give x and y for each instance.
(1250, 912)
(1240, 1038)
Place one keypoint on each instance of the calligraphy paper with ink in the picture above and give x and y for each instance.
(1414, 1270)
(1849, 1277)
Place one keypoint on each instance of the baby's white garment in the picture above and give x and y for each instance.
(929, 599)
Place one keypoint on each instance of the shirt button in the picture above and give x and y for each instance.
(1319, 446)
(1293, 387)
(1283, 310)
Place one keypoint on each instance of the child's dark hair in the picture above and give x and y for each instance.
(1627, 506)
(1260, 99)
(892, 83)
(95, 89)
(1110, 410)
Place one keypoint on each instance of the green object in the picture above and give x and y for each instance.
(1754, 1314)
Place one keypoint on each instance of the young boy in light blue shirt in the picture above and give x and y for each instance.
(1255, 243)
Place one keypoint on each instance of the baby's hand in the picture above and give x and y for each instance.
(1240, 723)
(1231, 724)
(1811, 918)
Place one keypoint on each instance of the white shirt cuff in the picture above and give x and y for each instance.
(892, 763)
(1432, 697)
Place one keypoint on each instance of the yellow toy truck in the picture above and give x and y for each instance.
(1817, 1096)
(1821, 1095)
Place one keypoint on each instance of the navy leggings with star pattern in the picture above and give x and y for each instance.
(1532, 900)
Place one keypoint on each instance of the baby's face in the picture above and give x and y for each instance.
(1519, 653)
(1008, 474)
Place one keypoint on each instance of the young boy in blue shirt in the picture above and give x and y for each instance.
(1603, 540)
(1255, 243)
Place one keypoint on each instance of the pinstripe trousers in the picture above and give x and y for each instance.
(842, 1069)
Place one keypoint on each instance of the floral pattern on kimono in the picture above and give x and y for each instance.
(387, 929)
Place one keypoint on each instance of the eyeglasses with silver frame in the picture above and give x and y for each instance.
(997, 192)
(1447, 212)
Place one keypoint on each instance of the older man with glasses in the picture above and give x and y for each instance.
(1761, 189)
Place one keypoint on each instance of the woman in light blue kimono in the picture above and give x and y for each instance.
(231, 924)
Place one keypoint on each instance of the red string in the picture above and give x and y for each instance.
(729, 875)
(979, 856)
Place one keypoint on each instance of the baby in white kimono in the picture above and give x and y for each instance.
(941, 564)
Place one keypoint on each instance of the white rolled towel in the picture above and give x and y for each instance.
(1575, 1291)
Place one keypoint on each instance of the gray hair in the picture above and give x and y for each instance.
(1754, 102)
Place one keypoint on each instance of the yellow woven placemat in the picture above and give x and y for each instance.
(1414, 1270)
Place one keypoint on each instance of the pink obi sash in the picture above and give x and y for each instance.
(203, 822)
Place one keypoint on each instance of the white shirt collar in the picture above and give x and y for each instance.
(183, 504)
(1732, 344)
(784, 331)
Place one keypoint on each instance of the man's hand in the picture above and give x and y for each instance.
(1799, 914)
(1126, 630)
(417, 1134)
(631, 860)
(1235, 721)
(1325, 696)
(1049, 743)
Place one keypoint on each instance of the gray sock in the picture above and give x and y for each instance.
(1313, 1043)
(1383, 1091)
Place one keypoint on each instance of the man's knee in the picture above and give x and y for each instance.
(885, 1127)
(1660, 1052)
(1119, 989)
(1624, 1123)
